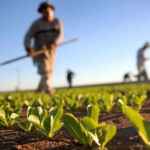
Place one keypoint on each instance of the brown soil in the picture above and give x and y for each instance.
(126, 138)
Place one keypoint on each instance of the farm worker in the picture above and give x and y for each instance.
(127, 77)
(141, 59)
(69, 77)
(45, 34)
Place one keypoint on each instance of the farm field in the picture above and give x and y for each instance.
(87, 118)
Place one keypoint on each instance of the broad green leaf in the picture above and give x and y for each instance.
(105, 133)
(52, 123)
(107, 102)
(34, 119)
(142, 126)
(47, 124)
(2, 114)
(57, 124)
(3, 117)
(139, 101)
(76, 129)
(89, 123)
(25, 125)
(94, 111)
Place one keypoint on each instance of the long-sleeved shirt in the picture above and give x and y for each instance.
(42, 34)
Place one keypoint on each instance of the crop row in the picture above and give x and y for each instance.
(48, 115)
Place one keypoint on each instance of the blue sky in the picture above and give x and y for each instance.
(109, 32)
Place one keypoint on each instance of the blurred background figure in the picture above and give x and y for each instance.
(127, 77)
(141, 59)
(69, 77)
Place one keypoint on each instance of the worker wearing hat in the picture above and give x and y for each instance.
(44, 6)
(45, 33)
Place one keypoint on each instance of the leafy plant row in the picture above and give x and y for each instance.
(48, 115)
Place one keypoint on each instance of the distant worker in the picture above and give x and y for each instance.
(45, 34)
(127, 77)
(141, 59)
(70, 76)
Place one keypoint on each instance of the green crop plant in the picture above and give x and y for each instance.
(48, 122)
(7, 118)
(142, 126)
(88, 132)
